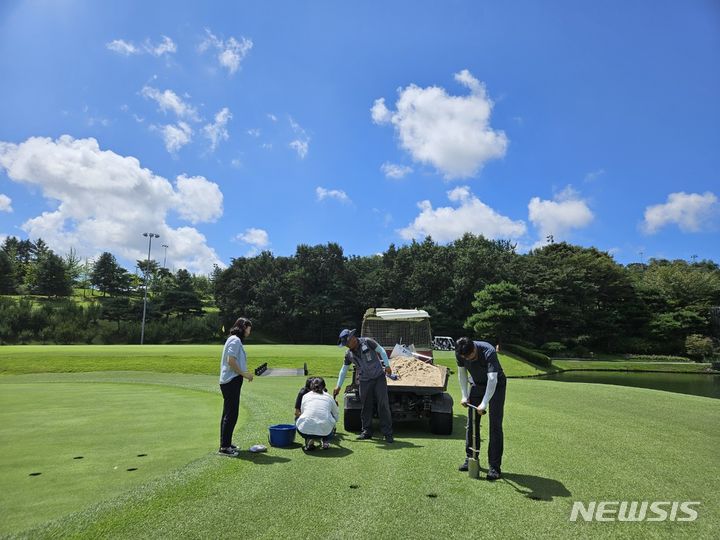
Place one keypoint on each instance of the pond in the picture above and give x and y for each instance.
(683, 383)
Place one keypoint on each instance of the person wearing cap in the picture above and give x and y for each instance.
(371, 364)
(487, 391)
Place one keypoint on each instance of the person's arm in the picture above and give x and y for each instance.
(463, 378)
(334, 410)
(233, 363)
(341, 379)
(383, 356)
(489, 390)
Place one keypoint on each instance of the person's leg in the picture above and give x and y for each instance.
(367, 399)
(231, 405)
(496, 413)
(383, 405)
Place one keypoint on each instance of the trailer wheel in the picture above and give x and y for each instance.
(351, 420)
(441, 423)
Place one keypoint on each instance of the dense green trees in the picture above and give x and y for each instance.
(560, 298)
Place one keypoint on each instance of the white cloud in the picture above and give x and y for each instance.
(169, 100)
(567, 211)
(272, 117)
(692, 212)
(5, 203)
(198, 200)
(471, 215)
(451, 133)
(230, 53)
(379, 112)
(255, 237)
(301, 147)
(217, 131)
(166, 46)
(258, 239)
(253, 132)
(302, 144)
(336, 194)
(123, 47)
(127, 48)
(175, 136)
(105, 201)
(392, 170)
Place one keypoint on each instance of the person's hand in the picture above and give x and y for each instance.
(249, 376)
(388, 371)
(481, 412)
(336, 391)
(464, 403)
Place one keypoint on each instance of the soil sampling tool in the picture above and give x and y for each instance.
(473, 463)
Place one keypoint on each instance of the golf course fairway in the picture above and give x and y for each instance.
(563, 443)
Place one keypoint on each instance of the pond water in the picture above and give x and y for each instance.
(683, 383)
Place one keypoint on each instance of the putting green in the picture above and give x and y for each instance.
(564, 443)
(65, 445)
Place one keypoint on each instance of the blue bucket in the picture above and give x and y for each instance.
(282, 435)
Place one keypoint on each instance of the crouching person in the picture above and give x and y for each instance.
(318, 415)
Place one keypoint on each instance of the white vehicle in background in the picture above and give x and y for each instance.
(443, 343)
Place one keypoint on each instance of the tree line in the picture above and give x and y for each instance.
(561, 298)
(111, 304)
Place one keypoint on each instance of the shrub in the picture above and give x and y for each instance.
(699, 347)
(553, 348)
(534, 357)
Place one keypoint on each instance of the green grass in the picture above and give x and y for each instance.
(322, 360)
(563, 443)
(625, 365)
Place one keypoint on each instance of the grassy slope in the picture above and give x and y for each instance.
(625, 365)
(323, 360)
(563, 443)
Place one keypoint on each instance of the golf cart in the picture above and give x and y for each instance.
(409, 327)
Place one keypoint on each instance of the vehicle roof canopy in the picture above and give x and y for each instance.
(389, 314)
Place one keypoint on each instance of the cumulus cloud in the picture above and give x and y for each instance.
(5, 203)
(692, 212)
(469, 215)
(392, 170)
(557, 217)
(168, 100)
(175, 135)
(257, 239)
(451, 133)
(302, 143)
(105, 201)
(127, 48)
(217, 131)
(337, 194)
(230, 52)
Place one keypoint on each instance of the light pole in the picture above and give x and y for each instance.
(165, 258)
(149, 236)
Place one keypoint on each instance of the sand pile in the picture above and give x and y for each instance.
(414, 372)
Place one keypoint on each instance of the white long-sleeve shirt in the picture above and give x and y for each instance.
(489, 388)
(318, 414)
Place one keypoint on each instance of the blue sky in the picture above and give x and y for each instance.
(234, 127)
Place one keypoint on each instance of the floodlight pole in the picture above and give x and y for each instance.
(165, 258)
(149, 236)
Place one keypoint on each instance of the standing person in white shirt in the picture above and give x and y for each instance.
(233, 369)
(318, 415)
